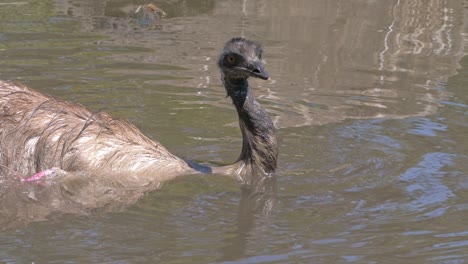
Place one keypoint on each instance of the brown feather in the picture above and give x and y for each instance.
(39, 132)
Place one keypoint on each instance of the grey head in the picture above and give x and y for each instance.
(242, 58)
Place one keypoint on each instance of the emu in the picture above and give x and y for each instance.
(44, 135)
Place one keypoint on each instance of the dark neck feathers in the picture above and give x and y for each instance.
(259, 146)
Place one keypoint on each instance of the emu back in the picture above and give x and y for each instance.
(38, 132)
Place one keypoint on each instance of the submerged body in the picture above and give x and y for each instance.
(38, 132)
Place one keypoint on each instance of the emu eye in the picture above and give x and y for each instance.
(231, 59)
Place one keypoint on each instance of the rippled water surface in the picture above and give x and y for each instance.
(370, 102)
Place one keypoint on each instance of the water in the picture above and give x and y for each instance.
(368, 97)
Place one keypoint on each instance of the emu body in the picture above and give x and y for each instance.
(38, 132)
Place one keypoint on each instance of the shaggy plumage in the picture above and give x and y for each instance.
(38, 132)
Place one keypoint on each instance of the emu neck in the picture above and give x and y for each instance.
(259, 147)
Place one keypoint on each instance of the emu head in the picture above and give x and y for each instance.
(242, 58)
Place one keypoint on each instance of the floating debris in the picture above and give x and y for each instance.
(146, 15)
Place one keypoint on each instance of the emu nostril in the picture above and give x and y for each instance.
(259, 72)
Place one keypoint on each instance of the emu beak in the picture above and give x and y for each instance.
(257, 69)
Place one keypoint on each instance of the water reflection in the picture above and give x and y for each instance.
(320, 83)
(425, 181)
(255, 209)
(427, 127)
